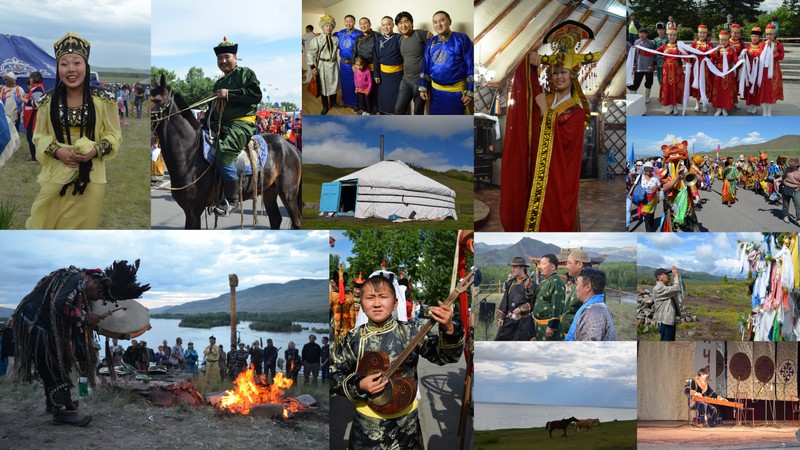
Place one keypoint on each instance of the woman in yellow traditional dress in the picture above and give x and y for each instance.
(77, 131)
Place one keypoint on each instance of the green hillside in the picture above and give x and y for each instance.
(609, 435)
(316, 174)
(647, 272)
(784, 145)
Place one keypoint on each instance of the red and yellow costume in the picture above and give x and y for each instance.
(671, 90)
(723, 94)
(737, 45)
(772, 89)
(678, 210)
(543, 149)
(753, 51)
(341, 305)
(702, 46)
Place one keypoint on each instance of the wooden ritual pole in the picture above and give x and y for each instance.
(233, 281)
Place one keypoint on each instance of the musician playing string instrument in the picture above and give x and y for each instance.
(371, 429)
(698, 387)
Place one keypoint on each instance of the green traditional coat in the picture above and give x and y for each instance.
(571, 307)
(244, 95)
(549, 306)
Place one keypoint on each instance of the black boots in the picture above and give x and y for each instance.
(231, 201)
(71, 418)
(324, 105)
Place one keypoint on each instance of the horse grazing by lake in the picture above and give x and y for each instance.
(559, 425)
(196, 182)
(586, 423)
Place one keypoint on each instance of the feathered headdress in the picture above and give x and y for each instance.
(118, 281)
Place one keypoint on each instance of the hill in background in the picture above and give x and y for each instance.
(646, 271)
(785, 144)
(302, 294)
(501, 255)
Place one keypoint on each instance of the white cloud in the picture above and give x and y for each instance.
(340, 153)
(179, 26)
(538, 361)
(664, 241)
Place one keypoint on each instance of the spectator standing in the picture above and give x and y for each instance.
(311, 358)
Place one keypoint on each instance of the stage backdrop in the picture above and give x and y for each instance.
(663, 369)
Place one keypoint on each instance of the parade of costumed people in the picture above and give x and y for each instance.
(53, 329)
(550, 118)
(728, 69)
(773, 266)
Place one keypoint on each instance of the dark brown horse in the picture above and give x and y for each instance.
(559, 425)
(195, 182)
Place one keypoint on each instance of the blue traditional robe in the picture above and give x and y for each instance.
(389, 69)
(447, 72)
(347, 43)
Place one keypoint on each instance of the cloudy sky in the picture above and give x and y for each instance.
(268, 33)
(601, 374)
(434, 142)
(118, 30)
(695, 251)
(179, 265)
(647, 134)
(571, 240)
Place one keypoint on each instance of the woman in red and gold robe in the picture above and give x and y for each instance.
(671, 90)
(702, 44)
(753, 100)
(771, 89)
(723, 94)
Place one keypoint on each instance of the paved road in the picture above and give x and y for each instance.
(166, 214)
(439, 408)
(751, 212)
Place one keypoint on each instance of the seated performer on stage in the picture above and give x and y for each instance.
(371, 429)
(543, 149)
(698, 387)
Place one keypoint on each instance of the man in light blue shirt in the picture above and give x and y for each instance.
(593, 321)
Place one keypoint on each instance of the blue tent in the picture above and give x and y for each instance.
(20, 55)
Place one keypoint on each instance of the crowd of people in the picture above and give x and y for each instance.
(550, 309)
(722, 73)
(386, 73)
(681, 181)
(216, 364)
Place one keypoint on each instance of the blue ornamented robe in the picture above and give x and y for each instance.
(347, 44)
(389, 69)
(447, 73)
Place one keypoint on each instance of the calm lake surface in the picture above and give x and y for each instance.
(168, 329)
(496, 416)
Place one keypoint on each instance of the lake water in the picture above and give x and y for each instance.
(168, 329)
(495, 416)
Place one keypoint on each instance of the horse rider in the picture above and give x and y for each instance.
(241, 91)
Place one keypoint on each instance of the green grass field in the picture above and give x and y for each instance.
(316, 174)
(719, 307)
(609, 435)
(127, 202)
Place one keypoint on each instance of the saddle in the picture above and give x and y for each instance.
(256, 150)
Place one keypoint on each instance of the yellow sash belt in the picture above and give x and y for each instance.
(461, 86)
(365, 410)
(251, 119)
(391, 69)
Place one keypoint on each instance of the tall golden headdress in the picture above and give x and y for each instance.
(565, 41)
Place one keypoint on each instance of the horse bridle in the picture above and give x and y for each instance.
(160, 114)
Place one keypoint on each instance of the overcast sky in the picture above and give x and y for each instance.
(570, 240)
(267, 32)
(704, 134)
(119, 30)
(439, 143)
(601, 374)
(694, 251)
(179, 265)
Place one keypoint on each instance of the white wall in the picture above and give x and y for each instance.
(461, 12)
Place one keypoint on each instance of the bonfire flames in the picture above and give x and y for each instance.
(249, 393)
